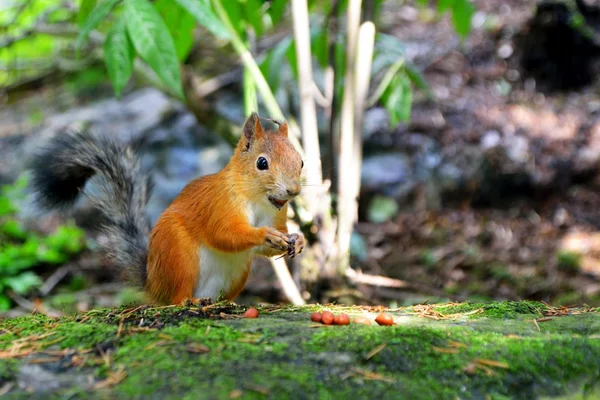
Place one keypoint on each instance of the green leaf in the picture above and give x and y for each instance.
(340, 69)
(321, 47)
(50, 256)
(23, 283)
(382, 209)
(291, 56)
(84, 10)
(203, 13)
(277, 10)
(94, 18)
(235, 14)
(118, 55)
(153, 42)
(271, 66)
(14, 229)
(254, 15)
(444, 5)
(398, 99)
(180, 24)
(461, 17)
(4, 303)
(406, 99)
(417, 79)
(389, 45)
(6, 207)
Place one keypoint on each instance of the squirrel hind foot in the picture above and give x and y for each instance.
(196, 301)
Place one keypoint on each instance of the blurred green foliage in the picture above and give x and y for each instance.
(568, 261)
(33, 52)
(21, 250)
(161, 34)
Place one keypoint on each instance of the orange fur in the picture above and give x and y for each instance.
(172, 261)
(214, 211)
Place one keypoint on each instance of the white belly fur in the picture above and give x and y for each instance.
(219, 270)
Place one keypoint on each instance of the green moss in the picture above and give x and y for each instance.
(11, 329)
(504, 309)
(8, 370)
(194, 353)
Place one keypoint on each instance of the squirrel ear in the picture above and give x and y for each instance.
(252, 128)
(283, 128)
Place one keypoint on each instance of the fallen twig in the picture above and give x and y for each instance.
(54, 279)
(29, 305)
(113, 379)
(376, 350)
(375, 280)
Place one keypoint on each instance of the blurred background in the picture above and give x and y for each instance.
(474, 131)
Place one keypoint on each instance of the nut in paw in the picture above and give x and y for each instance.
(296, 244)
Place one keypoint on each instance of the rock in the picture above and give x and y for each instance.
(587, 159)
(381, 172)
(35, 378)
(171, 143)
(418, 142)
(427, 119)
(125, 119)
(375, 120)
(425, 164)
(517, 149)
(490, 140)
(230, 106)
(449, 176)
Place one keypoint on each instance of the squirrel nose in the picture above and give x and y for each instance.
(293, 190)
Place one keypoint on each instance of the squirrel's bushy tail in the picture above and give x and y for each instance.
(59, 174)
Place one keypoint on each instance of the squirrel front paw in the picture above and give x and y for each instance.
(276, 239)
(296, 244)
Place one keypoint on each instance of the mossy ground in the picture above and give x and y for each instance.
(479, 351)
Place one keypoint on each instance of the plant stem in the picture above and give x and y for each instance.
(250, 100)
(310, 133)
(347, 207)
(385, 81)
(362, 77)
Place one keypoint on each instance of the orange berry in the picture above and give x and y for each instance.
(384, 319)
(341, 319)
(327, 318)
(316, 317)
(251, 313)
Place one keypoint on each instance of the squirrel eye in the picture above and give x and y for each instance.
(302, 164)
(262, 163)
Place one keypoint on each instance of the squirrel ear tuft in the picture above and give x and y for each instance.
(252, 128)
(283, 128)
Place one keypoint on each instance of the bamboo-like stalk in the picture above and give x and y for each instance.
(290, 290)
(347, 210)
(310, 133)
(317, 190)
(362, 77)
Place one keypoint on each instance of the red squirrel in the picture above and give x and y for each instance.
(203, 244)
